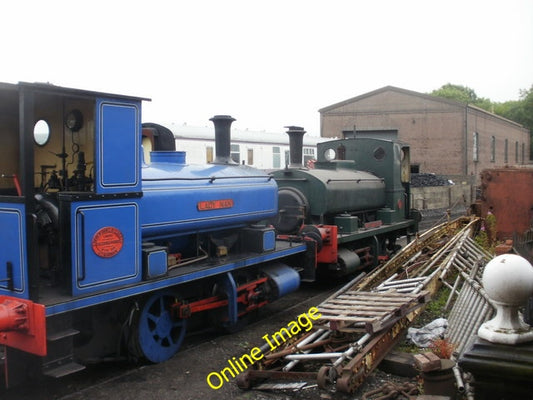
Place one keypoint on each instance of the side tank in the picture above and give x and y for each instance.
(331, 188)
(183, 199)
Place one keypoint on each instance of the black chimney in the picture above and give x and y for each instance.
(296, 134)
(223, 139)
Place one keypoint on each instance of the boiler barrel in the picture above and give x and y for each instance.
(334, 191)
(182, 199)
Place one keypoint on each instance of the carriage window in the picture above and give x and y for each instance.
(309, 154)
(276, 158)
(41, 132)
(236, 153)
(209, 154)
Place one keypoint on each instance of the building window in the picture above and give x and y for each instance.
(475, 147)
(250, 156)
(523, 152)
(493, 149)
(506, 154)
(516, 152)
(209, 154)
(276, 158)
(235, 153)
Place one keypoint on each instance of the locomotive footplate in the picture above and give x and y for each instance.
(371, 231)
(234, 262)
(56, 302)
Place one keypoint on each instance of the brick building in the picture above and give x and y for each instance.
(446, 137)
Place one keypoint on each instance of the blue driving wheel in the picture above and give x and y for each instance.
(160, 334)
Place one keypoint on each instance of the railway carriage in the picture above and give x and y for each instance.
(260, 149)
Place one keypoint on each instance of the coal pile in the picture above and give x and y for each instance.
(421, 180)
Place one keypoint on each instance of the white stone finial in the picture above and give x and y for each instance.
(508, 281)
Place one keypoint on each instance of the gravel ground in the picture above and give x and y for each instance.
(184, 376)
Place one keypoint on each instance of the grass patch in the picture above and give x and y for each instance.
(435, 308)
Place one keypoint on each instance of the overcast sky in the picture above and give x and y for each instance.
(266, 63)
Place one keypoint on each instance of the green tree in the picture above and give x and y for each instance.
(463, 94)
(520, 111)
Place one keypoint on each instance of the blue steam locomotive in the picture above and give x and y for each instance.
(108, 249)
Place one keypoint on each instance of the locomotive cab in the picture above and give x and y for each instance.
(68, 155)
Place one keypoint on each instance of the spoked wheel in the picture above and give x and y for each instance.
(159, 334)
(326, 377)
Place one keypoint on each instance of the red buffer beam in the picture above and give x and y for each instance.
(23, 325)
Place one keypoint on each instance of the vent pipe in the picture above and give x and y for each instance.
(296, 134)
(222, 139)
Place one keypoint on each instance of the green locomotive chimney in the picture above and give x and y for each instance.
(296, 134)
